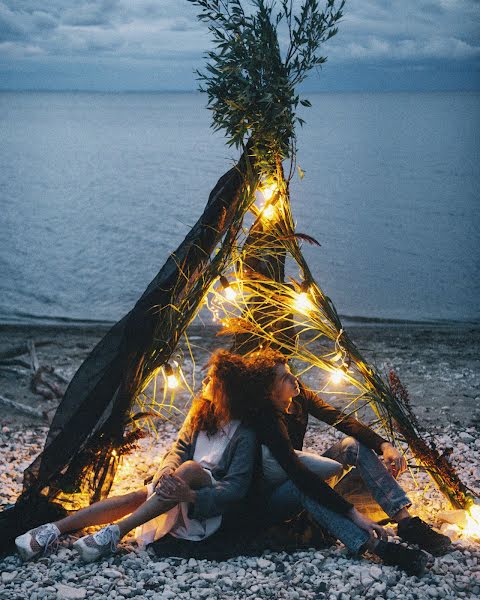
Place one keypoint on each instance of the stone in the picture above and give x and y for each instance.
(111, 573)
(466, 437)
(453, 531)
(263, 563)
(66, 592)
(160, 566)
(9, 577)
(375, 572)
(455, 517)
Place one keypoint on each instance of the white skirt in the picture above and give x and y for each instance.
(176, 522)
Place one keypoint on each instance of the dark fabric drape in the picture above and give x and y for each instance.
(92, 412)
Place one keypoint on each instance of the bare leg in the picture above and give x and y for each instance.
(104, 511)
(191, 472)
(401, 514)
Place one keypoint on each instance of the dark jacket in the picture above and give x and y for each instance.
(233, 473)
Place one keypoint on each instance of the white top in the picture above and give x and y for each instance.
(208, 452)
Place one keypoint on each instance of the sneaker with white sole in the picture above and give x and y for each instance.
(103, 542)
(37, 541)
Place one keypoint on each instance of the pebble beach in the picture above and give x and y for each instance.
(439, 366)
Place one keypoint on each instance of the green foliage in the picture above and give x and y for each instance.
(250, 80)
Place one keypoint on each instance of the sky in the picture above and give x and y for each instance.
(116, 45)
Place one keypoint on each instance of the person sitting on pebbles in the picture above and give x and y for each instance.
(205, 474)
(294, 480)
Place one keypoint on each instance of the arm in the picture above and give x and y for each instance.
(275, 436)
(214, 500)
(348, 425)
(179, 452)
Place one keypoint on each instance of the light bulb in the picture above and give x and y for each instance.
(337, 376)
(230, 293)
(303, 303)
(268, 212)
(172, 380)
(268, 191)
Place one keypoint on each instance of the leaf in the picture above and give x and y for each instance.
(301, 172)
(306, 103)
(301, 236)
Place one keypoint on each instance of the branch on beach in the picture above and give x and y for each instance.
(22, 408)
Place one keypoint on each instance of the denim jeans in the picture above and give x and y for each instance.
(287, 499)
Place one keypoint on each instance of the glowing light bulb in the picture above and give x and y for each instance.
(230, 293)
(337, 376)
(172, 380)
(303, 303)
(472, 528)
(268, 191)
(114, 453)
(269, 212)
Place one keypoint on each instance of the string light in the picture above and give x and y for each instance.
(302, 301)
(230, 293)
(172, 380)
(114, 453)
(269, 212)
(338, 376)
(268, 191)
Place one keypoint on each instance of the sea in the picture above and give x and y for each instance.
(97, 189)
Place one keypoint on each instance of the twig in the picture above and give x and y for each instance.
(22, 408)
(21, 349)
(33, 356)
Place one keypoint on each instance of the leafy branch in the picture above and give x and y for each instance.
(250, 82)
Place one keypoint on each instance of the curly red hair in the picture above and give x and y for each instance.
(228, 372)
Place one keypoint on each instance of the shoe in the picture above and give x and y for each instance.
(416, 531)
(412, 561)
(103, 542)
(37, 541)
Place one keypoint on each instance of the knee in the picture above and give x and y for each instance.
(188, 470)
(351, 447)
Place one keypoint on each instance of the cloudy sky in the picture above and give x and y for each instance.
(156, 45)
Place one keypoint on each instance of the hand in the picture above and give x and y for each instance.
(174, 489)
(394, 461)
(157, 478)
(373, 529)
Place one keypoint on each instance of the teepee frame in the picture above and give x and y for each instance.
(88, 432)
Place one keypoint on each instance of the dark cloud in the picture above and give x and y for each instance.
(410, 33)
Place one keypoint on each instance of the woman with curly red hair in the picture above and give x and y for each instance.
(205, 474)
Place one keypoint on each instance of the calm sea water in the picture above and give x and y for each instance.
(97, 189)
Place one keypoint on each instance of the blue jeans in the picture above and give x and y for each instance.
(287, 499)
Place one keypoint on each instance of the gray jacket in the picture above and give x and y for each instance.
(233, 474)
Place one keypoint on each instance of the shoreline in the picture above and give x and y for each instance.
(439, 365)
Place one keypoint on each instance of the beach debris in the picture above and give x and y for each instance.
(21, 408)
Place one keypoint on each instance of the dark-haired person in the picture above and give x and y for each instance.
(206, 473)
(284, 407)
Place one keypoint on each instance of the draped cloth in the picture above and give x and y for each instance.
(90, 419)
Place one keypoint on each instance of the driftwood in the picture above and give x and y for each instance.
(41, 386)
(21, 408)
(21, 349)
(33, 356)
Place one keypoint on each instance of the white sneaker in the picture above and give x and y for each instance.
(37, 541)
(101, 543)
